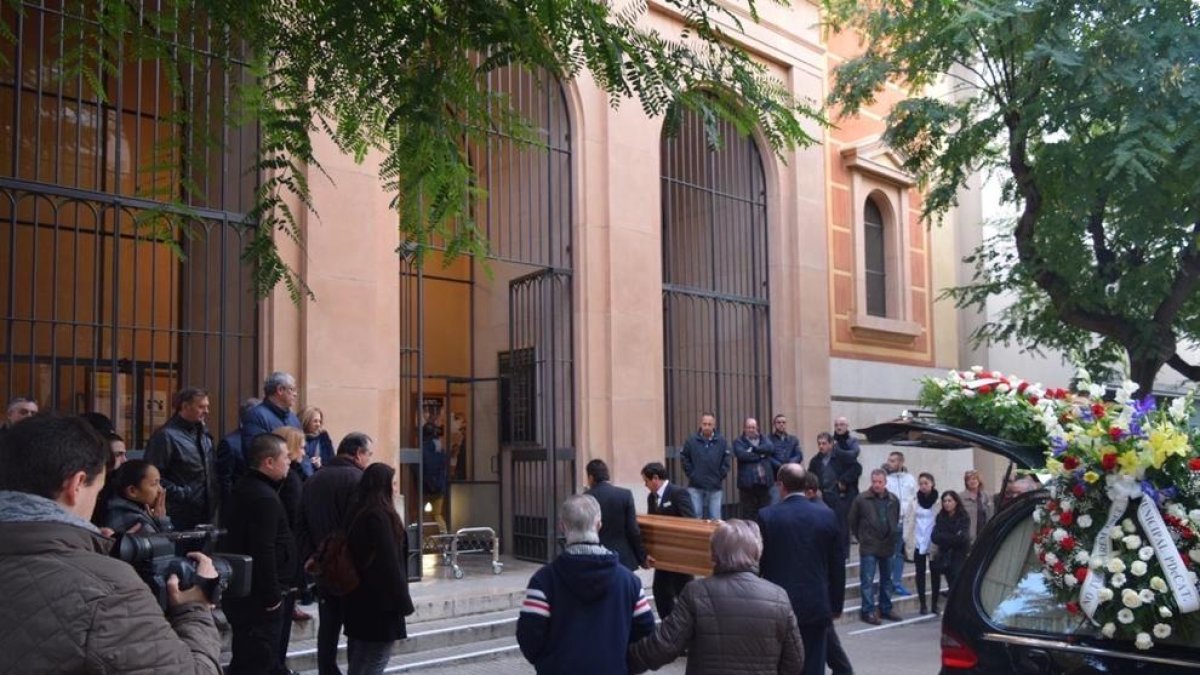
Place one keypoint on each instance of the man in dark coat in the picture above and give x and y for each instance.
(231, 460)
(582, 611)
(706, 460)
(838, 467)
(323, 507)
(666, 499)
(875, 520)
(801, 554)
(182, 450)
(435, 473)
(257, 525)
(280, 396)
(620, 532)
(756, 469)
(787, 449)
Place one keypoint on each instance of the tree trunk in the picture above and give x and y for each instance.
(1143, 370)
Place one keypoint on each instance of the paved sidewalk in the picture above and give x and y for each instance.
(908, 648)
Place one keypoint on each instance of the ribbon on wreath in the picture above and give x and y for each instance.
(1121, 490)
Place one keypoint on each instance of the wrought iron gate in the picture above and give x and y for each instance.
(716, 349)
(538, 408)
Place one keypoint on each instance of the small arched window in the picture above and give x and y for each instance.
(875, 259)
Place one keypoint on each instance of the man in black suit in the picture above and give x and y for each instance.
(802, 553)
(618, 523)
(666, 499)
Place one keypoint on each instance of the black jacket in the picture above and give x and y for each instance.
(618, 524)
(875, 520)
(706, 461)
(802, 553)
(375, 610)
(121, 514)
(324, 502)
(230, 462)
(183, 453)
(952, 536)
(675, 502)
(756, 465)
(257, 526)
(787, 449)
(846, 465)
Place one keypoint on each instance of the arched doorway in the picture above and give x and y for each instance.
(488, 345)
(716, 310)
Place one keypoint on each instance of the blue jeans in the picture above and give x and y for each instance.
(898, 564)
(367, 658)
(707, 502)
(867, 565)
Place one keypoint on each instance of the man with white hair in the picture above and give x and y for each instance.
(582, 611)
(20, 408)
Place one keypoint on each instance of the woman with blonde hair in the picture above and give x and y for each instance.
(976, 502)
(289, 494)
(318, 446)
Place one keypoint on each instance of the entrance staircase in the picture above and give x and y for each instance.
(461, 621)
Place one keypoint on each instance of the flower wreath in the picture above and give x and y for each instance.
(1119, 537)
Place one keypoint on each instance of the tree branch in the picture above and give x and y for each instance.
(1105, 260)
(1184, 368)
(1187, 279)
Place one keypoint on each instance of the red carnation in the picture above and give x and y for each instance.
(1078, 489)
(1022, 387)
(1081, 574)
(1067, 518)
(1194, 464)
(1098, 410)
(1070, 462)
(1059, 568)
(1033, 400)
(1115, 433)
(1109, 461)
(1042, 557)
(985, 389)
(1073, 607)
(1068, 543)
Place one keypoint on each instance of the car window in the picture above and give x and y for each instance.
(1014, 594)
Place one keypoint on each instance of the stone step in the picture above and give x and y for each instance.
(487, 650)
(424, 637)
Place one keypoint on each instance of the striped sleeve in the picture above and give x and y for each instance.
(641, 605)
(536, 603)
(643, 617)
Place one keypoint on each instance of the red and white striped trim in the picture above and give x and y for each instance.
(535, 603)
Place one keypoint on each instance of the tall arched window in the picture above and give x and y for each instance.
(716, 350)
(875, 262)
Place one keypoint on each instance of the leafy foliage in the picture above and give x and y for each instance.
(402, 77)
(1088, 111)
(992, 403)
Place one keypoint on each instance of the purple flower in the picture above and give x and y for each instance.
(1058, 445)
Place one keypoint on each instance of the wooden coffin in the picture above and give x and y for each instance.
(678, 544)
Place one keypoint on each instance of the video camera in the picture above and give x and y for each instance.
(157, 556)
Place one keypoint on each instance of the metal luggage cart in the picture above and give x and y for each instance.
(467, 540)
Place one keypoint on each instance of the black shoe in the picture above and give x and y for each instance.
(891, 616)
(872, 619)
(924, 609)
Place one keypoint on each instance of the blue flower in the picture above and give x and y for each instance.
(1058, 445)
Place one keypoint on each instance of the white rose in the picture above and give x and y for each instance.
(1130, 598)
(1116, 532)
(1138, 568)
(1117, 580)
(1162, 631)
(1165, 612)
(1095, 390)
(1051, 559)
(1194, 554)
(1146, 595)
(1159, 585)
(1194, 514)
(1125, 616)
(1143, 641)
(1067, 505)
(1059, 535)
(1177, 511)
(1085, 521)
(1128, 526)
(1132, 542)
(1106, 594)
(1003, 388)
(969, 393)
(1070, 580)
(1096, 563)
(1038, 515)
(1145, 553)
(1083, 557)
(1116, 565)
(977, 369)
(1109, 630)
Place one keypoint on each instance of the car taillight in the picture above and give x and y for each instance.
(956, 653)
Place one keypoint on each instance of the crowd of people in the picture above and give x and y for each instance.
(778, 577)
(276, 487)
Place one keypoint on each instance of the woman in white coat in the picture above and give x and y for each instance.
(924, 515)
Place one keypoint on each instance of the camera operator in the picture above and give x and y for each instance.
(68, 606)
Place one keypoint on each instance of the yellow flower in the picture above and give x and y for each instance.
(1095, 431)
(1091, 476)
(1165, 443)
(1129, 462)
(1054, 466)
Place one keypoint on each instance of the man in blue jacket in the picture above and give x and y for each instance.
(706, 461)
(802, 554)
(582, 611)
(280, 396)
(757, 464)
